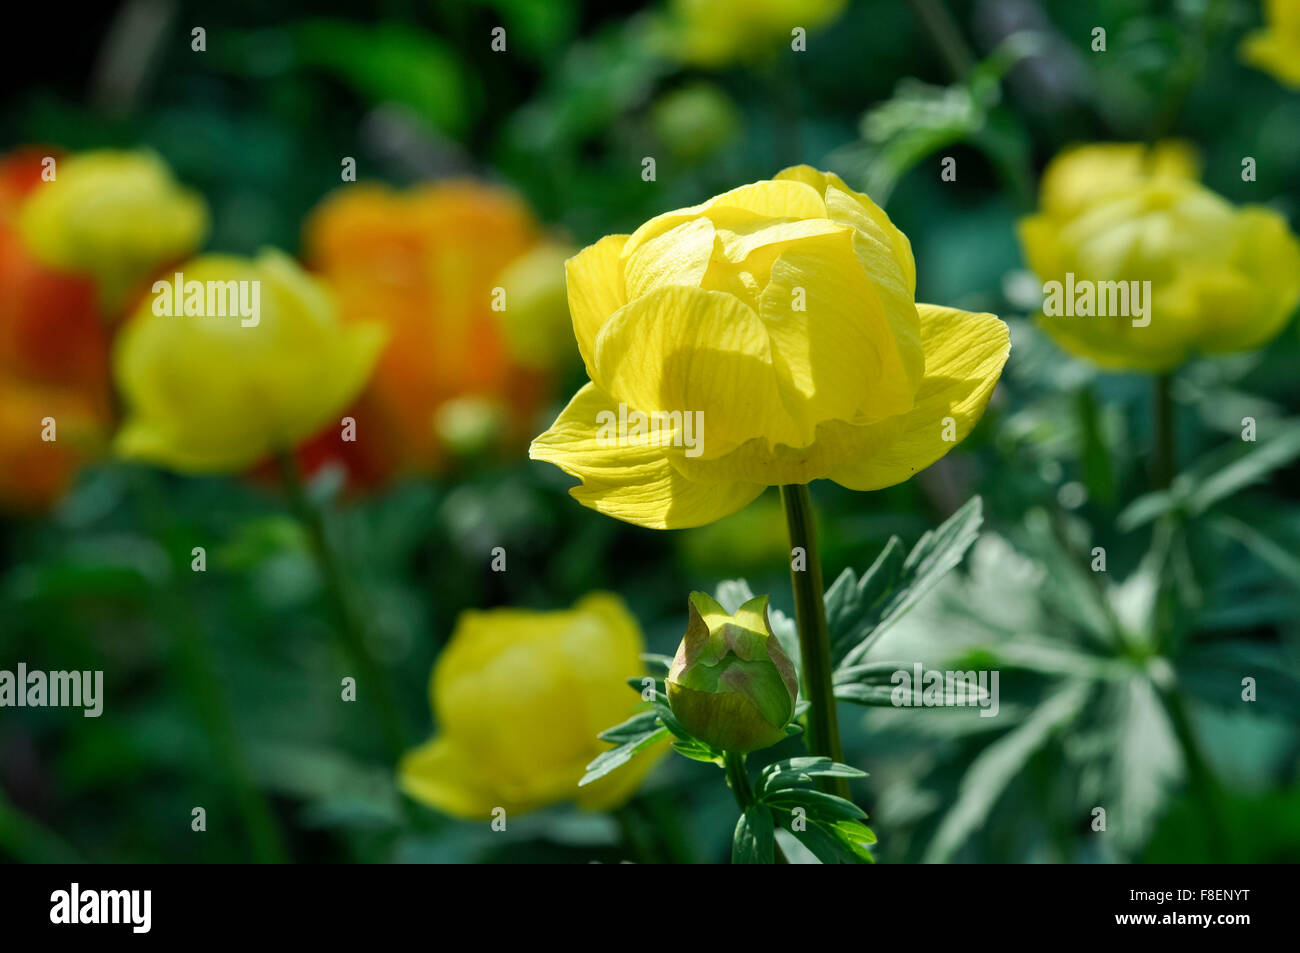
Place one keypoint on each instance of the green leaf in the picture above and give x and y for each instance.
(868, 684)
(856, 837)
(783, 774)
(1249, 468)
(698, 751)
(607, 761)
(997, 764)
(858, 611)
(818, 804)
(825, 845)
(635, 727)
(755, 838)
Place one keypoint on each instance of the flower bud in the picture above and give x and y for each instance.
(731, 684)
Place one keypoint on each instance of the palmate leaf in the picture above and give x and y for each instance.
(997, 764)
(755, 838)
(1217, 476)
(859, 610)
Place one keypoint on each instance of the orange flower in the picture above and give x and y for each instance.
(425, 262)
(53, 359)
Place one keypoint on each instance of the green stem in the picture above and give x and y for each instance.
(943, 29)
(196, 668)
(738, 778)
(814, 640)
(351, 628)
(1164, 460)
(738, 781)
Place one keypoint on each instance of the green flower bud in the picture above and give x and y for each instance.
(731, 684)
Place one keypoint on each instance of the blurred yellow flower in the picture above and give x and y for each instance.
(210, 394)
(1276, 48)
(520, 697)
(117, 216)
(721, 32)
(536, 323)
(768, 336)
(1113, 217)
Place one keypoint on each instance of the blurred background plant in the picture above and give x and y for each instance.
(476, 169)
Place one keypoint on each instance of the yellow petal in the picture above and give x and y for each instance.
(634, 484)
(208, 394)
(688, 351)
(679, 256)
(440, 774)
(964, 358)
(788, 200)
(595, 282)
(838, 355)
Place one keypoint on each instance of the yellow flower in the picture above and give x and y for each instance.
(1276, 49)
(535, 320)
(209, 394)
(768, 336)
(719, 32)
(117, 216)
(1221, 278)
(520, 697)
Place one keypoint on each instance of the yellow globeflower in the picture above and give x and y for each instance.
(232, 359)
(520, 697)
(1142, 265)
(720, 32)
(117, 216)
(1276, 49)
(768, 336)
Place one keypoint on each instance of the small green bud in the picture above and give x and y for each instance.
(731, 684)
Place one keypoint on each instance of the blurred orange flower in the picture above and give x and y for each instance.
(427, 263)
(53, 359)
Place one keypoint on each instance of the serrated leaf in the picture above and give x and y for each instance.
(755, 838)
(607, 761)
(642, 723)
(865, 608)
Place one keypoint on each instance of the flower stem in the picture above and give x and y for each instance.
(351, 628)
(1165, 454)
(738, 781)
(814, 640)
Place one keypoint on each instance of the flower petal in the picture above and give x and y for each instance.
(634, 484)
(964, 356)
(596, 290)
(837, 355)
(712, 357)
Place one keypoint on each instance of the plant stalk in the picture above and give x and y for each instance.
(1165, 458)
(814, 640)
(351, 628)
